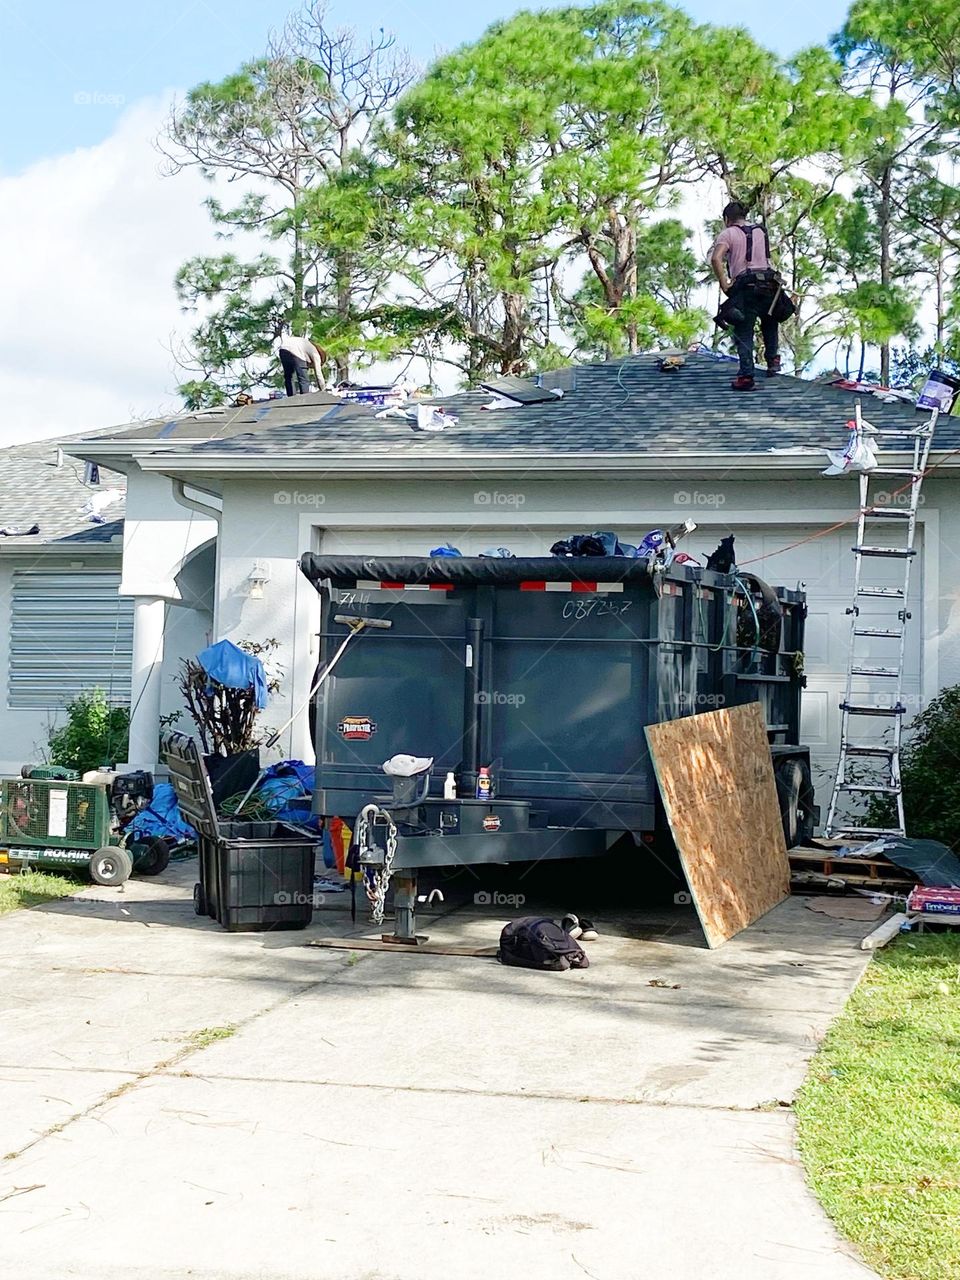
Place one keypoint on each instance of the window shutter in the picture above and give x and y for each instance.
(69, 631)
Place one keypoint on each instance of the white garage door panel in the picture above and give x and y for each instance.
(419, 542)
(825, 569)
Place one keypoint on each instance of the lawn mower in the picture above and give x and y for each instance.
(62, 823)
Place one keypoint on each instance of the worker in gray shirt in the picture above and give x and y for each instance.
(296, 357)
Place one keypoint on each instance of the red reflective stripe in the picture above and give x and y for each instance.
(533, 586)
(441, 586)
(391, 586)
(583, 586)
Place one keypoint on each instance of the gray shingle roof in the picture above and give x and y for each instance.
(34, 490)
(626, 406)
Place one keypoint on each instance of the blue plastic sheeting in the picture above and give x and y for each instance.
(162, 817)
(230, 666)
(287, 790)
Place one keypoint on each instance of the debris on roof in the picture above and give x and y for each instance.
(41, 493)
(522, 391)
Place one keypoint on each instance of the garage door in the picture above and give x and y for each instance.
(823, 567)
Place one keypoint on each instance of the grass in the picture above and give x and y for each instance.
(879, 1115)
(28, 888)
(210, 1035)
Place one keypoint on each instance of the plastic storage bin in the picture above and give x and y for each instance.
(254, 876)
(264, 877)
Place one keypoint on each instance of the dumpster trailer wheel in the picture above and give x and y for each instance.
(795, 793)
(110, 865)
(151, 856)
(199, 905)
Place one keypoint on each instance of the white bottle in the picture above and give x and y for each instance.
(450, 786)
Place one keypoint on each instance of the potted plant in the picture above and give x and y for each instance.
(227, 719)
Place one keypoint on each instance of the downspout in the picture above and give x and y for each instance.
(180, 496)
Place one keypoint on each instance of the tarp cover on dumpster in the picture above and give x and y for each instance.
(477, 571)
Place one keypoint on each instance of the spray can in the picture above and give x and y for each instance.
(483, 784)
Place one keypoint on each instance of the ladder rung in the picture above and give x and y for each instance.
(887, 513)
(918, 432)
(885, 633)
(893, 593)
(870, 788)
(858, 709)
(847, 832)
(898, 553)
(896, 471)
(887, 673)
(862, 749)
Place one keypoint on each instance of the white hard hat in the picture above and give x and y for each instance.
(407, 766)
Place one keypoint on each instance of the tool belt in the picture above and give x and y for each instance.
(760, 285)
(764, 280)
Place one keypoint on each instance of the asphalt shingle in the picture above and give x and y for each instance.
(34, 490)
(626, 406)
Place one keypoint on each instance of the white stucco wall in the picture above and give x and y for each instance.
(161, 537)
(274, 522)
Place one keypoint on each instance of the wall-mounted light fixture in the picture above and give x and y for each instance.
(258, 577)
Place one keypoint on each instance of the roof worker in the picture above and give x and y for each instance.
(741, 263)
(296, 356)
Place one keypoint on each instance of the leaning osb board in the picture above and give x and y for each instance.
(716, 779)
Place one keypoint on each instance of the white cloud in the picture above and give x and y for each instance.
(92, 242)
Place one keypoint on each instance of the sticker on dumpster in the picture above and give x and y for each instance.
(356, 728)
(491, 822)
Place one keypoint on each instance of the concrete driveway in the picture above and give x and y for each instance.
(368, 1116)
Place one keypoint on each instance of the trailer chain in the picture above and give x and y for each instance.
(378, 882)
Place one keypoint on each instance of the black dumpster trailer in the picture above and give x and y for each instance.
(545, 670)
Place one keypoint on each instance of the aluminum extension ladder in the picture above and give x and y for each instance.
(869, 767)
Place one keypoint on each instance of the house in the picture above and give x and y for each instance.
(221, 504)
(64, 625)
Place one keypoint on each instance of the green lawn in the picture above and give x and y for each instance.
(31, 887)
(879, 1116)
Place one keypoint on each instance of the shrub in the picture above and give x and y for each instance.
(930, 773)
(95, 733)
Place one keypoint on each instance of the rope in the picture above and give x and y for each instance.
(841, 524)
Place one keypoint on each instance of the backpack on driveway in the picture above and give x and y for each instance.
(536, 942)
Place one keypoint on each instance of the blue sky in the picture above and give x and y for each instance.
(70, 66)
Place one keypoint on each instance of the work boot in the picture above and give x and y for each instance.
(773, 367)
(743, 383)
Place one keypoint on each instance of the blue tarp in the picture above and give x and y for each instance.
(162, 817)
(230, 666)
(287, 789)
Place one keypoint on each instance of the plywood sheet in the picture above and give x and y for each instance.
(716, 779)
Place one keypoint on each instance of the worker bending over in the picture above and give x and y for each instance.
(741, 262)
(296, 356)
